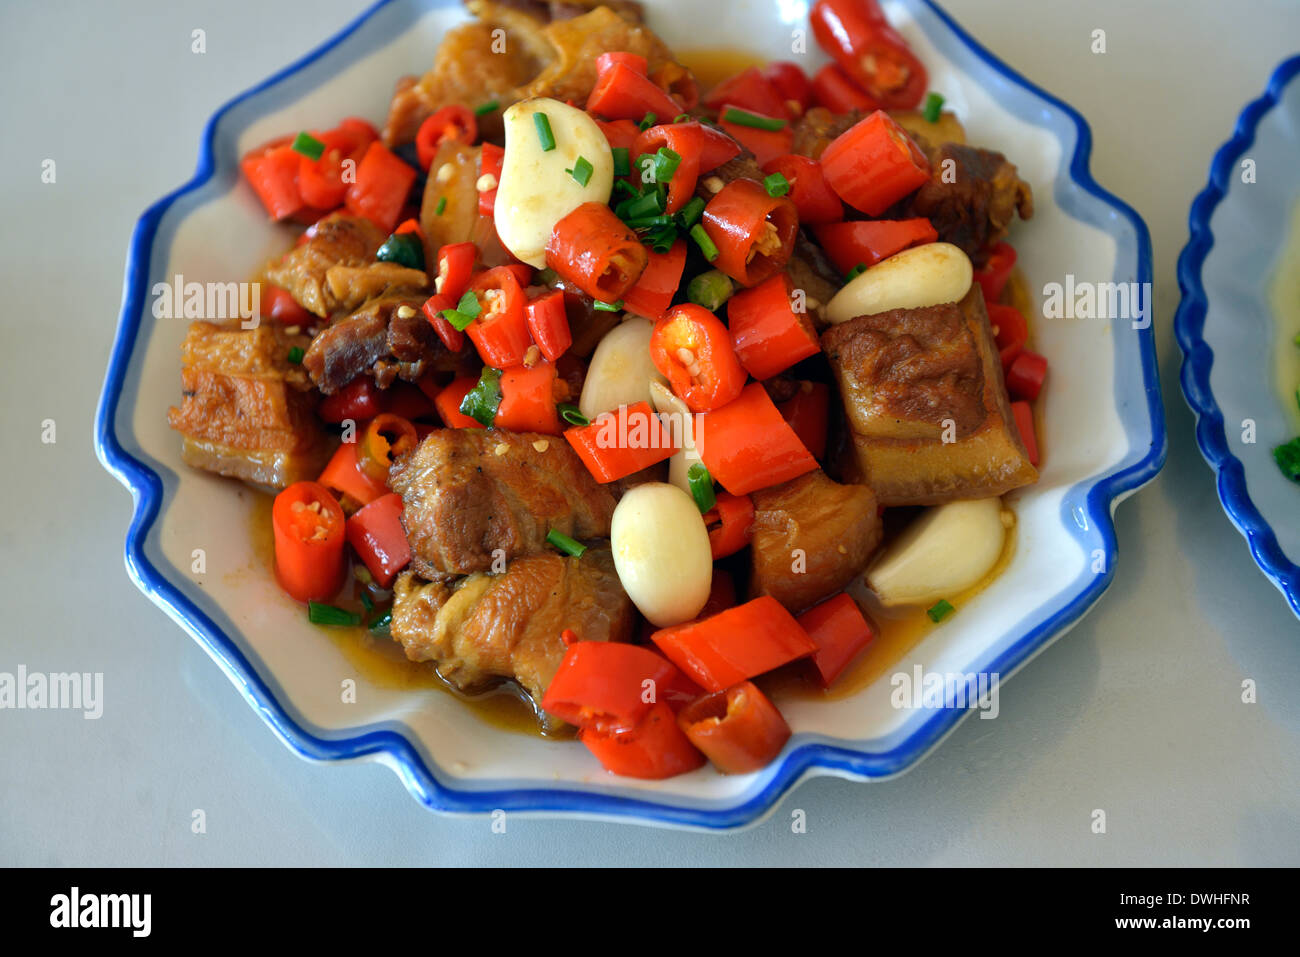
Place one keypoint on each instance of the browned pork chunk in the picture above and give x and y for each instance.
(510, 625)
(971, 198)
(388, 338)
(337, 240)
(812, 536)
(247, 410)
(468, 492)
(927, 409)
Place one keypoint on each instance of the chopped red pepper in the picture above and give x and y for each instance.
(791, 82)
(433, 309)
(735, 645)
(360, 399)
(594, 250)
(691, 347)
(386, 436)
(343, 474)
(456, 263)
(272, 171)
(1025, 375)
(500, 333)
(654, 291)
(1010, 332)
(307, 522)
(280, 305)
(731, 525)
(447, 124)
(766, 145)
(377, 535)
(833, 89)
(874, 164)
(383, 182)
(633, 61)
(753, 232)
(548, 322)
(997, 270)
(449, 400)
(811, 194)
(1023, 413)
(840, 631)
(621, 93)
(739, 729)
(604, 683)
(490, 163)
(808, 413)
(766, 332)
(746, 445)
(653, 748)
(528, 400)
(616, 444)
(867, 242)
(749, 90)
(857, 35)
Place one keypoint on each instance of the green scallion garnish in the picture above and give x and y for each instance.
(466, 311)
(622, 161)
(691, 212)
(1287, 458)
(855, 272)
(647, 204)
(681, 117)
(776, 185)
(581, 171)
(482, 401)
(701, 483)
(405, 249)
(565, 544)
(367, 602)
(607, 306)
(380, 626)
(933, 106)
(710, 289)
(308, 146)
(647, 121)
(572, 414)
(296, 354)
(544, 134)
(441, 207)
(756, 121)
(666, 162)
(939, 610)
(704, 242)
(487, 107)
(322, 614)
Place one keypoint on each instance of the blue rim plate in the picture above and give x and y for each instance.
(1086, 508)
(1198, 357)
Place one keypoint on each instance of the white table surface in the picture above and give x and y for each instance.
(1137, 711)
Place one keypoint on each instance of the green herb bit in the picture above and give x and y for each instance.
(581, 171)
(1288, 459)
(565, 544)
(691, 212)
(622, 161)
(701, 483)
(322, 614)
(405, 249)
(646, 122)
(933, 106)
(441, 207)
(308, 146)
(710, 289)
(544, 134)
(482, 401)
(380, 626)
(296, 354)
(754, 121)
(607, 306)
(704, 242)
(776, 185)
(572, 414)
(939, 610)
(487, 108)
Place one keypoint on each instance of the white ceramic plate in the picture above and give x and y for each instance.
(1103, 438)
(1240, 225)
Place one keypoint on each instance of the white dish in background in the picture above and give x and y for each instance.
(1103, 438)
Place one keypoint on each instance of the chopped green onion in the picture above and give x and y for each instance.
(939, 610)
(466, 311)
(487, 107)
(649, 222)
(701, 483)
(622, 161)
(647, 121)
(308, 146)
(666, 162)
(543, 124)
(296, 354)
(581, 171)
(405, 249)
(607, 306)
(647, 204)
(572, 414)
(933, 105)
(321, 614)
(661, 239)
(681, 117)
(710, 289)
(855, 272)
(755, 121)
(441, 207)
(691, 212)
(1288, 459)
(565, 544)
(367, 602)
(482, 401)
(623, 186)
(776, 185)
(704, 242)
(380, 626)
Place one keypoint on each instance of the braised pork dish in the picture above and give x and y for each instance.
(629, 390)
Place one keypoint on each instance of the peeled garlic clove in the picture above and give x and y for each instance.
(949, 549)
(922, 276)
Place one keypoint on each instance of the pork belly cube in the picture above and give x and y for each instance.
(487, 627)
(247, 410)
(337, 240)
(812, 537)
(927, 407)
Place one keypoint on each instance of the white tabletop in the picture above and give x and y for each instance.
(1137, 711)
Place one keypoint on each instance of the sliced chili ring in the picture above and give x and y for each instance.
(386, 437)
